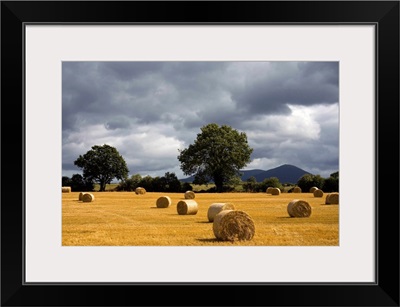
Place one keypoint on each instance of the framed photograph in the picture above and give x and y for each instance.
(318, 78)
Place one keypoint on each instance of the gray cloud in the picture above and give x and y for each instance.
(149, 110)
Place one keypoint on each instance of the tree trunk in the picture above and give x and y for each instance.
(102, 186)
(219, 183)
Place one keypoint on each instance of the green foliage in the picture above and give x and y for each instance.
(307, 181)
(77, 183)
(147, 183)
(102, 164)
(250, 185)
(66, 181)
(335, 175)
(129, 184)
(269, 182)
(331, 184)
(167, 183)
(170, 183)
(186, 186)
(217, 154)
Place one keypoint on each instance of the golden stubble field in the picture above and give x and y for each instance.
(128, 219)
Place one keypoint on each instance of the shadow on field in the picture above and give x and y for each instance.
(208, 240)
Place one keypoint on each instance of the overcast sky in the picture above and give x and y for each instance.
(149, 110)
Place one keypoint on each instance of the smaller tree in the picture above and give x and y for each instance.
(307, 181)
(65, 181)
(250, 185)
(102, 164)
(331, 184)
(147, 183)
(78, 183)
(129, 184)
(272, 182)
(171, 182)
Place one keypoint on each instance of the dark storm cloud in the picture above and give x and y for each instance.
(289, 83)
(119, 122)
(125, 71)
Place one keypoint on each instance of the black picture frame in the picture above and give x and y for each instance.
(383, 14)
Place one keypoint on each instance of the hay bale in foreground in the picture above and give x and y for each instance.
(332, 198)
(189, 195)
(275, 191)
(216, 208)
(318, 193)
(187, 207)
(231, 225)
(87, 197)
(269, 190)
(312, 189)
(80, 195)
(299, 208)
(163, 202)
(296, 190)
(140, 191)
(66, 189)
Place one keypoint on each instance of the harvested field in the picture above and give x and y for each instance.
(123, 219)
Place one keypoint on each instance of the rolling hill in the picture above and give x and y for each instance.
(286, 173)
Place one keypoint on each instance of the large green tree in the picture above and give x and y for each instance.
(102, 164)
(217, 154)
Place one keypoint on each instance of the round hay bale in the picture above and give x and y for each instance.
(296, 190)
(299, 208)
(187, 207)
(231, 225)
(269, 190)
(275, 191)
(313, 189)
(318, 193)
(216, 208)
(140, 191)
(163, 202)
(80, 195)
(189, 195)
(332, 198)
(87, 197)
(66, 189)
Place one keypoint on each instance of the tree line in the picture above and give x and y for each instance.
(217, 155)
(306, 182)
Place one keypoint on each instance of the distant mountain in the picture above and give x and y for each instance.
(286, 173)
